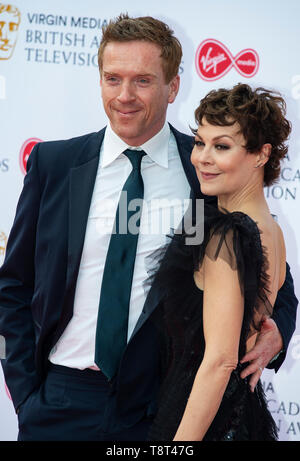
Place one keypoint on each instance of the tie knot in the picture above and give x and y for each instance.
(135, 157)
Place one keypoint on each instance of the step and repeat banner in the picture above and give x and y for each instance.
(49, 89)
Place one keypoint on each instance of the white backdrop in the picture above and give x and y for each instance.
(49, 89)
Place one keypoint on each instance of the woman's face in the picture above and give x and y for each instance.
(223, 165)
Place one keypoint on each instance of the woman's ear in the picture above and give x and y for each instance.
(264, 155)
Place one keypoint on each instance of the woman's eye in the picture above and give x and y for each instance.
(198, 143)
(222, 147)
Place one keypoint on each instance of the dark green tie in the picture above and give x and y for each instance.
(112, 323)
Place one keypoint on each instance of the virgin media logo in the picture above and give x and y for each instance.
(214, 60)
(25, 151)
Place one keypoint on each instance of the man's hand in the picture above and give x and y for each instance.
(268, 344)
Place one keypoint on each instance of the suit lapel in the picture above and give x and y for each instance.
(82, 178)
(185, 146)
(81, 186)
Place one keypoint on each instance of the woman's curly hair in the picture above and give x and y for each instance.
(260, 114)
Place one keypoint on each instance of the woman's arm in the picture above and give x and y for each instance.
(223, 308)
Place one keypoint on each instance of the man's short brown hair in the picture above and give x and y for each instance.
(148, 29)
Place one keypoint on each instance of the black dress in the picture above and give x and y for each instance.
(242, 415)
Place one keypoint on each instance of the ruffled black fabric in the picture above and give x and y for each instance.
(242, 415)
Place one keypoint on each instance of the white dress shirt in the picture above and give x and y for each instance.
(166, 194)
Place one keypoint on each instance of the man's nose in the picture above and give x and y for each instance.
(127, 93)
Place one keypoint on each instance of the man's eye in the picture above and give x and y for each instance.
(143, 81)
(111, 79)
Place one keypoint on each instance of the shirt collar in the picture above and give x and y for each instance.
(156, 148)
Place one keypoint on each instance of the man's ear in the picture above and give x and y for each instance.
(173, 89)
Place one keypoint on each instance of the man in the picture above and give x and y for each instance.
(72, 373)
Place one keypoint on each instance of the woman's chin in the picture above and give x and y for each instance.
(206, 189)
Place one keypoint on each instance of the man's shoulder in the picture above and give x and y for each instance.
(182, 138)
(70, 143)
(70, 152)
(54, 159)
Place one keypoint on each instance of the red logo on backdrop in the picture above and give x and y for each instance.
(214, 60)
(26, 151)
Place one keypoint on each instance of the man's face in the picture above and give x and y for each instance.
(9, 24)
(134, 92)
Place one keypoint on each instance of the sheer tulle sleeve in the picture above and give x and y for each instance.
(235, 238)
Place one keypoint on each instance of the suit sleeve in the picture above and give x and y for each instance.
(284, 315)
(17, 275)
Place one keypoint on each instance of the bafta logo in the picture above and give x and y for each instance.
(10, 18)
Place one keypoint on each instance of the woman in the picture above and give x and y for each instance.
(217, 294)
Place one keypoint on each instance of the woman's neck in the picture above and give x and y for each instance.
(251, 200)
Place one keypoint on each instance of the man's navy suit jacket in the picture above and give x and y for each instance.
(38, 277)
